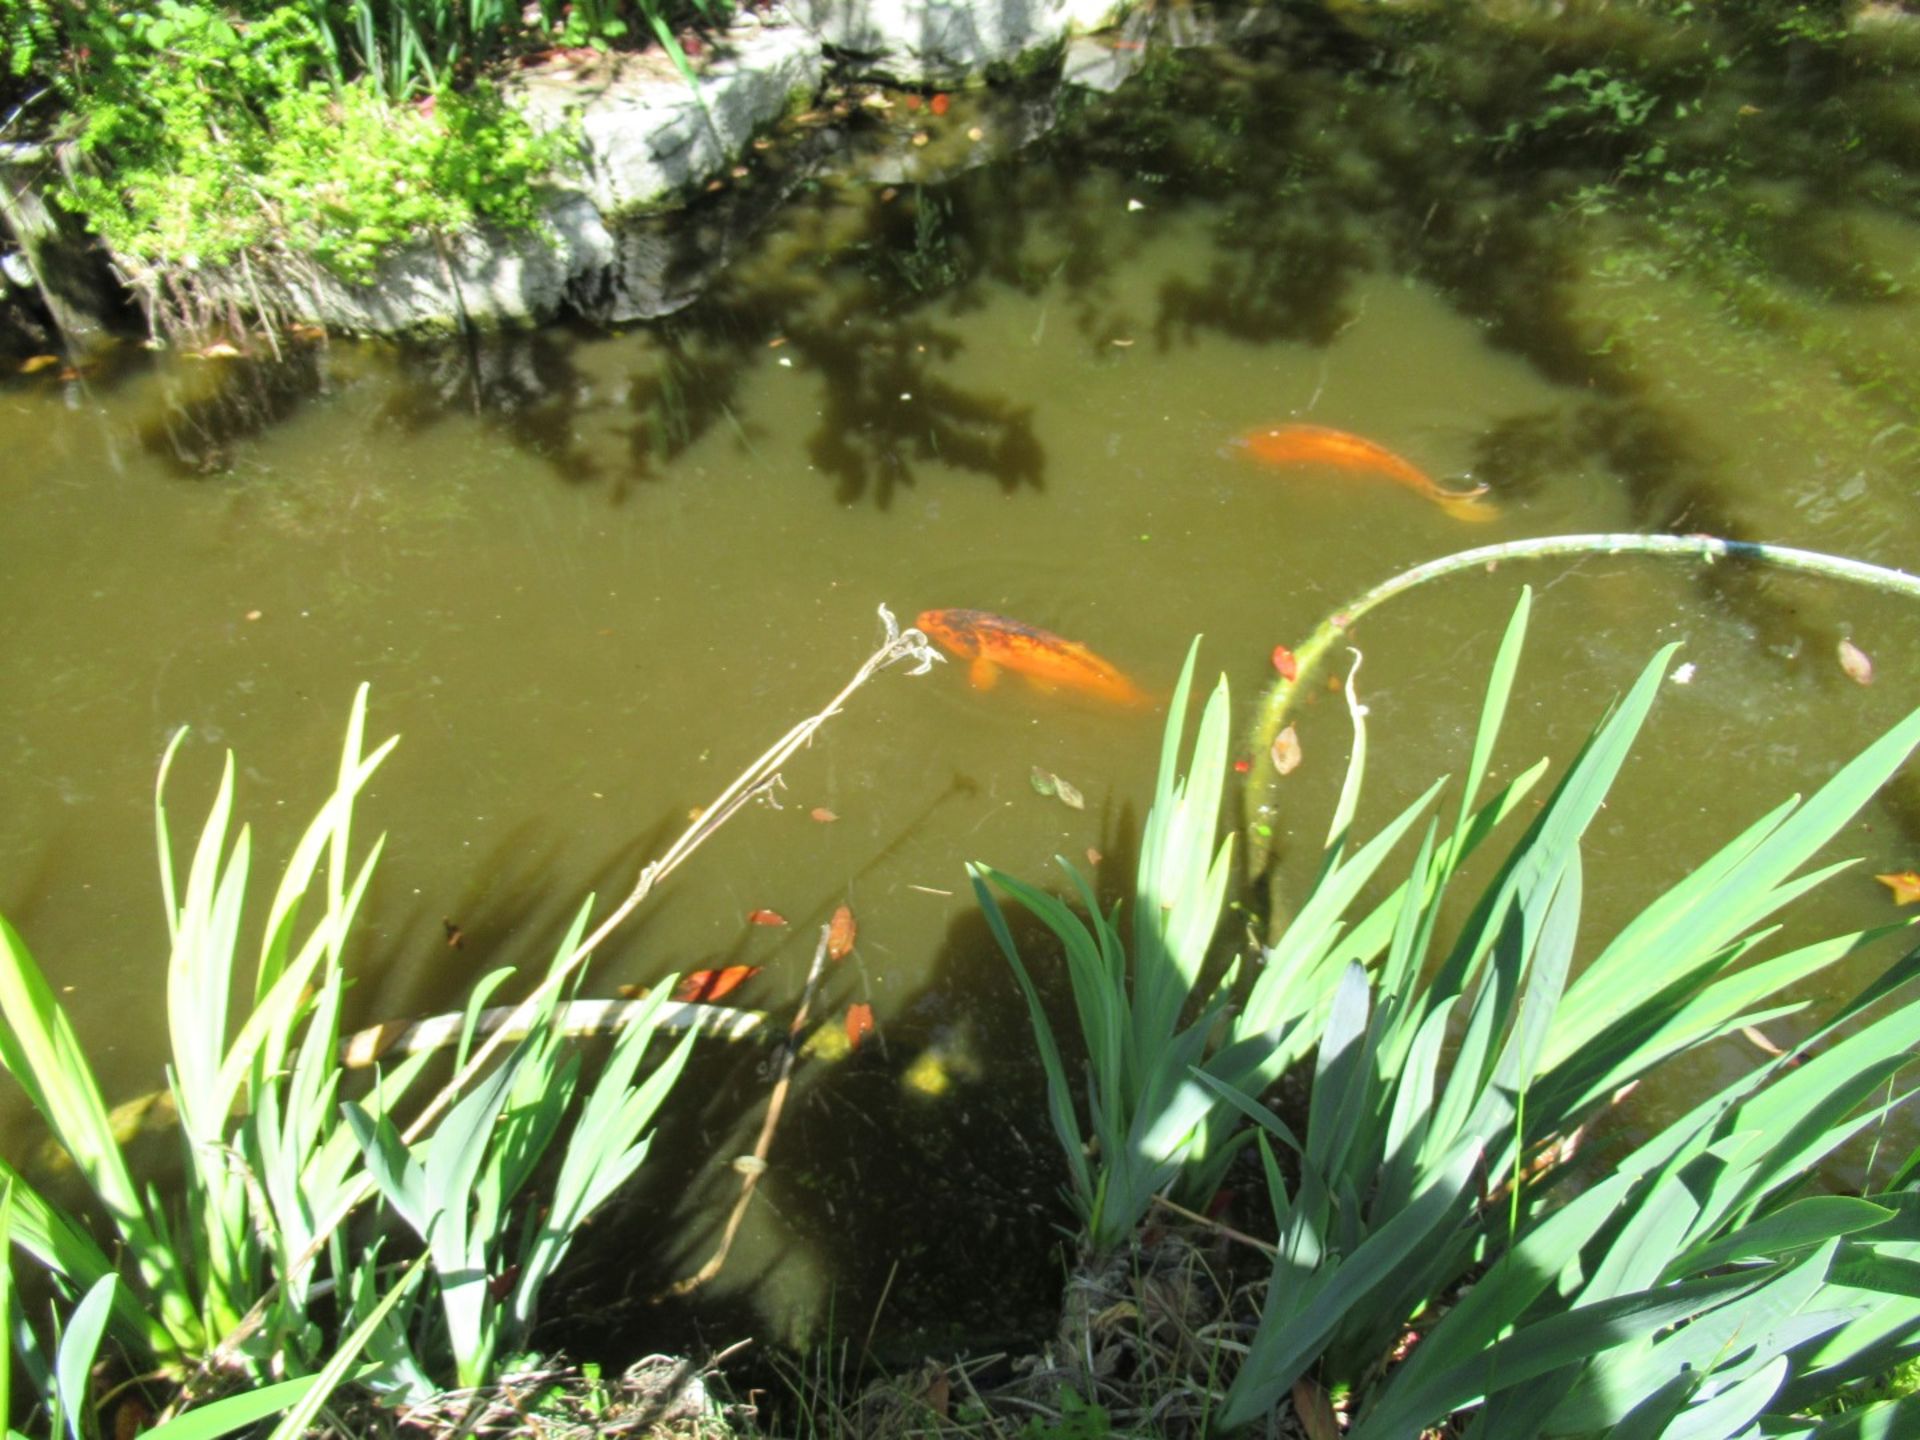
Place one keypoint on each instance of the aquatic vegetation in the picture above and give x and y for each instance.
(1453, 1080)
(218, 1284)
(1145, 1111)
(212, 1279)
(1452, 1085)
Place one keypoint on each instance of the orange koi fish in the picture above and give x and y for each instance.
(994, 643)
(1318, 445)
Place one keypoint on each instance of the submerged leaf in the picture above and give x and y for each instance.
(859, 1023)
(1069, 796)
(1854, 661)
(841, 934)
(1043, 781)
(1285, 753)
(704, 985)
(765, 917)
(822, 815)
(1905, 886)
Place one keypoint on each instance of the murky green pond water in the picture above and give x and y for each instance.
(1629, 272)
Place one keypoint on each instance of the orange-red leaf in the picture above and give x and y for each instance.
(823, 815)
(859, 1023)
(765, 917)
(1905, 886)
(938, 104)
(841, 934)
(1284, 662)
(703, 985)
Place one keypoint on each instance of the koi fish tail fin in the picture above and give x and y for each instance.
(1468, 505)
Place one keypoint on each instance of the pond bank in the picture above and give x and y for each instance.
(667, 177)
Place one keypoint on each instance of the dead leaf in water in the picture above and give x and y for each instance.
(1905, 886)
(1854, 661)
(821, 815)
(859, 1023)
(765, 917)
(1045, 782)
(34, 364)
(704, 985)
(1285, 753)
(841, 934)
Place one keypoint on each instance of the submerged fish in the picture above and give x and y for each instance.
(994, 643)
(1319, 445)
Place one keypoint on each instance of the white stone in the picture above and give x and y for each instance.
(945, 41)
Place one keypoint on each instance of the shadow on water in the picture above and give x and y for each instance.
(882, 1161)
(935, 1128)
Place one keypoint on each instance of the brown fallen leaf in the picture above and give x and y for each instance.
(456, 937)
(1905, 886)
(841, 934)
(822, 815)
(1094, 857)
(765, 917)
(1285, 753)
(1854, 661)
(1315, 1411)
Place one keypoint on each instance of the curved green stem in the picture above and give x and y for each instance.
(1262, 779)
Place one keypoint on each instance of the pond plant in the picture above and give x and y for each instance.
(247, 1276)
(1431, 1207)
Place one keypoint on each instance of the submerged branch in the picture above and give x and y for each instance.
(761, 1146)
(1263, 779)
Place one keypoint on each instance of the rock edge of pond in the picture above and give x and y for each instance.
(669, 180)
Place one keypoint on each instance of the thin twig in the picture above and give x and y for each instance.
(1216, 1226)
(765, 1143)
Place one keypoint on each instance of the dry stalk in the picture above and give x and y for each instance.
(761, 1146)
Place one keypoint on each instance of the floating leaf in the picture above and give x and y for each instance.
(1044, 781)
(34, 364)
(841, 933)
(822, 815)
(765, 917)
(1068, 794)
(859, 1023)
(748, 1165)
(938, 104)
(1285, 753)
(1854, 661)
(704, 985)
(1093, 856)
(1285, 663)
(1905, 886)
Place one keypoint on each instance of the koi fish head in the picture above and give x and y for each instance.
(955, 631)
